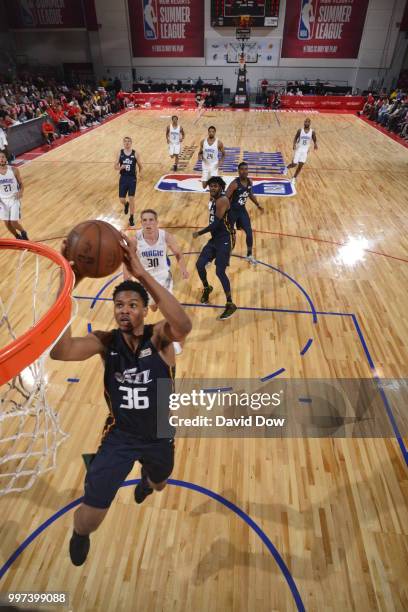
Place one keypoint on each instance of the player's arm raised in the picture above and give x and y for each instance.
(222, 206)
(178, 253)
(19, 181)
(177, 324)
(296, 139)
(132, 242)
(314, 140)
(75, 349)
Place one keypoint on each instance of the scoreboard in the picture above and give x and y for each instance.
(226, 13)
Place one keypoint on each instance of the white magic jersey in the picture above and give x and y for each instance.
(210, 152)
(305, 138)
(153, 257)
(8, 185)
(174, 134)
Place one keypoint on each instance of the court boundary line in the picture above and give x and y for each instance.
(187, 485)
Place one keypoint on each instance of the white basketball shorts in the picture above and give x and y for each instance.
(209, 170)
(300, 155)
(174, 148)
(10, 209)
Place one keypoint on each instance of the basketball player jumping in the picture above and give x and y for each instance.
(301, 144)
(220, 245)
(174, 136)
(208, 154)
(126, 164)
(11, 192)
(151, 245)
(238, 192)
(135, 357)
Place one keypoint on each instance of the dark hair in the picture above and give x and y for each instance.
(174, 117)
(130, 285)
(212, 127)
(243, 163)
(151, 211)
(218, 180)
(127, 138)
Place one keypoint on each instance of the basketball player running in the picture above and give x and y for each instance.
(135, 357)
(174, 136)
(220, 245)
(208, 154)
(11, 192)
(238, 192)
(151, 245)
(301, 144)
(126, 163)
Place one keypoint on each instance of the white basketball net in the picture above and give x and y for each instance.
(30, 433)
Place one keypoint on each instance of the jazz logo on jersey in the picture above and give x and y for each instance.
(150, 19)
(306, 20)
(262, 186)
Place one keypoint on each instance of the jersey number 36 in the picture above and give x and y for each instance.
(132, 398)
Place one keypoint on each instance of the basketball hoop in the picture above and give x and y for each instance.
(29, 428)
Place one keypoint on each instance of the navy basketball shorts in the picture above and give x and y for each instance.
(218, 250)
(127, 186)
(115, 459)
(241, 219)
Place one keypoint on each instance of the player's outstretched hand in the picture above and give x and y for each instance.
(195, 234)
(261, 209)
(130, 258)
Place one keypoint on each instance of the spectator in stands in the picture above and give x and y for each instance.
(397, 118)
(49, 133)
(369, 103)
(64, 125)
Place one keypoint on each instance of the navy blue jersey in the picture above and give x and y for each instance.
(224, 229)
(129, 161)
(240, 195)
(131, 385)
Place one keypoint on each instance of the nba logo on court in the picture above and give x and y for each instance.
(150, 19)
(306, 20)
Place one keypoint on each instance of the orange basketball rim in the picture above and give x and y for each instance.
(17, 355)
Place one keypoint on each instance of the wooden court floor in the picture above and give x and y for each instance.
(332, 512)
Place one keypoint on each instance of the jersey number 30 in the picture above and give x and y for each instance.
(132, 400)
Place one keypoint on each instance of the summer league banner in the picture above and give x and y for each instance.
(167, 28)
(49, 14)
(323, 28)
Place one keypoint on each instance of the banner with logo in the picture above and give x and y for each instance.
(49, 14)
(353, 103)
(323, 28)
(167, 28)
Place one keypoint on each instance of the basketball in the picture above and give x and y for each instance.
(94, 247)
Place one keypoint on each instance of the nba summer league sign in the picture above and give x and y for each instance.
(165, 28)
(192, 183)
(323, 28)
